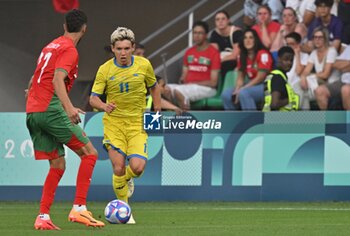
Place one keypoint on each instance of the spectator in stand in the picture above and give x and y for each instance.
(251, 7)
(344, 15)
(139, 50)
(225, 38)
(200, 71)
(290, 24)
(326, 20)
(165, 104)
(321, 60)
(310, 11)
(338, 92)
(279, 95)
(254, 63)
(293, 40)
(299, 6)
(265, 27)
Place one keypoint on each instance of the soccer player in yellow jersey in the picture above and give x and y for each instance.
(125, 79)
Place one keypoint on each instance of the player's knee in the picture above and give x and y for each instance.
(58, 163)
(93, 152)
(87, 150)
(119, 170)
(138, 169)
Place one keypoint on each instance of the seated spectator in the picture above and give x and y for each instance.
(200, 72)
(279, 95)
(139, 50)
(321, 60)
(329, 96)
(290, 24)
(310, 11)
(299, 6)
(165, 104)
(265, 27)
(254, 63)
(327, 20)
(293, 40)
(251, 7)
(344, 15)
(225, 38)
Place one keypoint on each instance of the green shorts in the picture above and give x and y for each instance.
(50, 130)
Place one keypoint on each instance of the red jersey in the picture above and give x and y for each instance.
(201, 63)
(59, 54)
(272, 27)
(262, 61)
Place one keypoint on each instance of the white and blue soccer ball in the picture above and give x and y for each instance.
(117, 212)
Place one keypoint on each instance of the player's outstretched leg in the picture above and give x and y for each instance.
(79, 212)
(43, 221)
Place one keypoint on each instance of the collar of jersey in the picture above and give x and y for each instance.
(116, 63)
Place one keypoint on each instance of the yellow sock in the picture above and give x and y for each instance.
(129, 173)
(120, 187)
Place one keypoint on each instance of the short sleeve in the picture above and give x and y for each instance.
(312, 57)
(237, 36)
(185, 59)
(331, 55)
(345, 54)
(278, 84)
(264, 60)
(304, 58)
(150, 78)
(216, 62)
(337, 28)
(67, 60)
(100, 83)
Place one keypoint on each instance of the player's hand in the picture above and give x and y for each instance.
(73, 115)
(109, 107)
(26, 93)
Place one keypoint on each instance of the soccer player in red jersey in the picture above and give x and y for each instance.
(52, 121)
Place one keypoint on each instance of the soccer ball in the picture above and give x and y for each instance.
(117, 212)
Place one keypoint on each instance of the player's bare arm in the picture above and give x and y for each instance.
(97, 103)
(155, 93)
(27, 90)
(61, 92)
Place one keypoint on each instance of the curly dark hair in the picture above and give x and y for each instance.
(74, 20)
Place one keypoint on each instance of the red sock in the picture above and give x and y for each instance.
(86, 168)
(52, 179)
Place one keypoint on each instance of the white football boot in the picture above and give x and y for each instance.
(131, 220)
(131, 187)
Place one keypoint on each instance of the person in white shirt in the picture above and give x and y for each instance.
(338, 92)
(321, 61)
(293, 40)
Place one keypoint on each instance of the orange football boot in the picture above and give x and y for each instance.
(84, 217)
(41, 224)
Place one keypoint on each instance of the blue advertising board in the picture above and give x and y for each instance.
(200, 156)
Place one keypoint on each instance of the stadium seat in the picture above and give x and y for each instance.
(215, 103)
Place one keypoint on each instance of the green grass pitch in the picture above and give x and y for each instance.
(191, 218)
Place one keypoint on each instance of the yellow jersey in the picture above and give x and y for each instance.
(126, 86)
